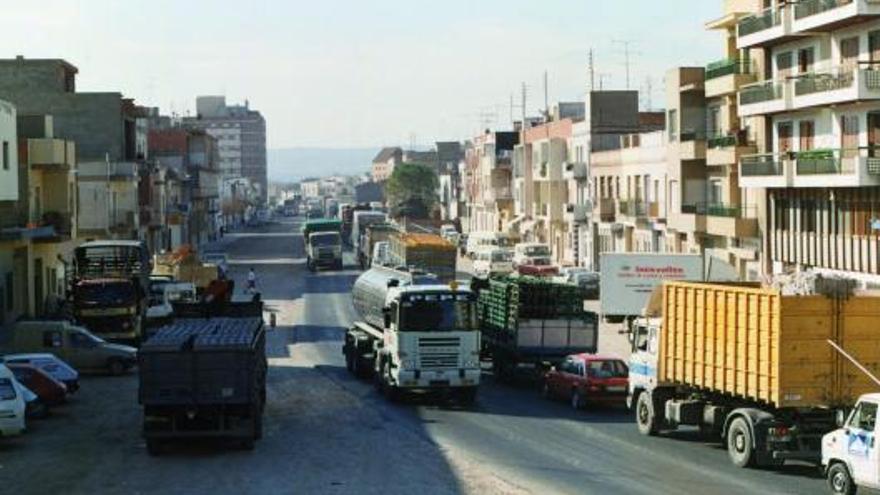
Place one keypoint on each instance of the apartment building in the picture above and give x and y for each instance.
(490, 183)
(631, 201)
(817, 110)
(241, 139)
(384, 163)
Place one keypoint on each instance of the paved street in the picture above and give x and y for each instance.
(327, 432)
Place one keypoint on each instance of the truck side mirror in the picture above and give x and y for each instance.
(386, 314)
(840, 418)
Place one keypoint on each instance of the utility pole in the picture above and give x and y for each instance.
(592, 69)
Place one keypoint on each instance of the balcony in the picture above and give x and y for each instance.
(692, 144)
(837, 168)
(51, 154)
(826, 15)
(727, 149)
(731, 220)
(498, 194)
(764, 97)
(607, 209)
(837, 85)
(504, 159)
(726, 76)
(764, 170)
(634, 208)
(763, 28)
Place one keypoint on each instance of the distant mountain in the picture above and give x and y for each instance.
(292, 164)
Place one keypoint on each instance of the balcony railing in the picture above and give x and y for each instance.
(758, 22)
(718, 210)
(692, 135)
(727, 67)
(806, 8)
(761, 165)
(757, 93)
(821, 82)
(825, 162)
(633, 208)
(727, 140)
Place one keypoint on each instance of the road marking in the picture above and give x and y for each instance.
(267, 261)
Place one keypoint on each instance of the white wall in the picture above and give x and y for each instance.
(8, 138)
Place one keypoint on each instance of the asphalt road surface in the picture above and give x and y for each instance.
(327, 432)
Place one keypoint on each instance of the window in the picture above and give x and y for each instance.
(784, 64)
(5, 155)
(807, 132)
(864, 417)
(673, 125)
(52, 339)
(806, 58)
(783, 133)
(607, 369)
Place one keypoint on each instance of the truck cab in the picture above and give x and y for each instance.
(325, 250)
(532, 253)
(850, 453)
(645, 338)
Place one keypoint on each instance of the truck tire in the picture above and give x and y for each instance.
(349, 360)
(839, 480)
(467, 396)
(740, 444)
(155, 447)
(645, 417)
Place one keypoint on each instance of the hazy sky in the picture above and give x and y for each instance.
(344, 73)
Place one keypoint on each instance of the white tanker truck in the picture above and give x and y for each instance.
(415, 334)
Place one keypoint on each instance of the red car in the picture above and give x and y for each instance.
(587, 378)
(50, 391)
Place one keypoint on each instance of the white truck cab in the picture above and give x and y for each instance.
(643, 359)
(850, 453)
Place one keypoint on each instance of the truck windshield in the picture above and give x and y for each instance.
(105, 293)
(437, 313)
(325, 240)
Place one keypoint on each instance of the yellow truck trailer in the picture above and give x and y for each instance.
(752, 367)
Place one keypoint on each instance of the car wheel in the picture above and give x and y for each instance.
(839, 480)
(116, 367)
(740, 445)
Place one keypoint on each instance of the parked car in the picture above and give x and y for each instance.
(51, 391)
(12, 404)
(34, 407)
(531, 253)
(74, 344)
(586, 378)
(49, 363)
(492, 261)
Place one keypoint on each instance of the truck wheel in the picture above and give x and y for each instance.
(467, 396)
(740, 446)
(155, 447)
(349, 361)
(839, 480)
(115, 367)
(577, 400)
(645, 417)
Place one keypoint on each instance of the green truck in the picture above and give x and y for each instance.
(532, 323)
(323, 243)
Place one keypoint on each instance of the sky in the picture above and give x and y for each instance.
(364, 73)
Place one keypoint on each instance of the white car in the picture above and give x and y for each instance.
(12, 404)
(161, 310)
(531, 253)
(492, 261)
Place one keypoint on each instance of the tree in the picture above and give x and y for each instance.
(412, 188)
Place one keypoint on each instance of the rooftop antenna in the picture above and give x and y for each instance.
(626, 55)
(524, 95)
(546, 95)
(592, 69)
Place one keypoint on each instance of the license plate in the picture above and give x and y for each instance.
(616, 389)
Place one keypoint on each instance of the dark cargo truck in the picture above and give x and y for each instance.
(532, 323)
(205, 377)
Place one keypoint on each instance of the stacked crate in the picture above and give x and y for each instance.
(506, 300)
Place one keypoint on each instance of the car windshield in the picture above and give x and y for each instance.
(606, 369)
(537, 251)
(501, 256)
(325, 240)
(437, 313)
(7, 389)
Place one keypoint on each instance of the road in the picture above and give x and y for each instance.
(326, 432)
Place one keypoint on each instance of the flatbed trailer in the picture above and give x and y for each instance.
(205, 377)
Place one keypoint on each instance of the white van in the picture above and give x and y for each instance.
(493, 261)
(12, 404)
(478, 240)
